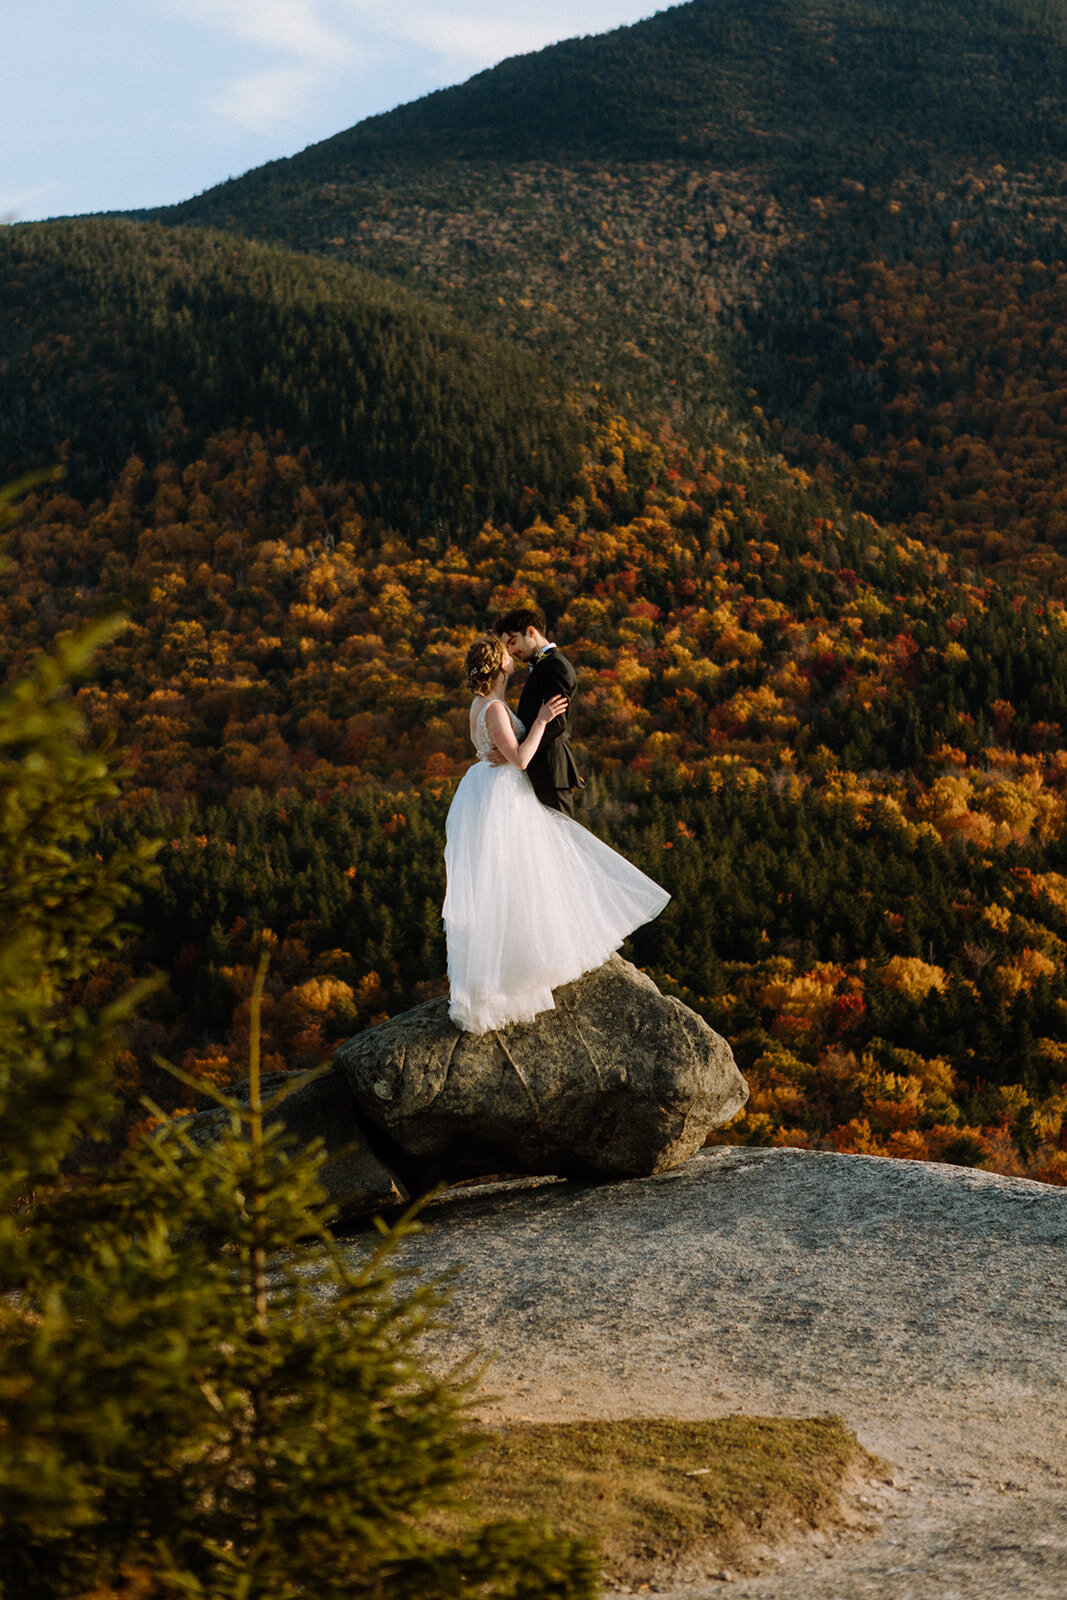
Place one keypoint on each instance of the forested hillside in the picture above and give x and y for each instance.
(765, 408)
(122, 337)
(930, 384)
(799, 200)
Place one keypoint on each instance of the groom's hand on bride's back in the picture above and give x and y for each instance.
(495, 759)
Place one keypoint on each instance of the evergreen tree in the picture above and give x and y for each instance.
(200, 1396)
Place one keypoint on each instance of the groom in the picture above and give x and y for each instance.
(552, 771)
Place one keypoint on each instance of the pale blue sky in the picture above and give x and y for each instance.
(116, 104)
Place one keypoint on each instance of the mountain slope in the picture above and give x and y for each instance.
(125, 338)
(860, 83)
(693, 207)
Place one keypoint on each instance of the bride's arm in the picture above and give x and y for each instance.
(499, 724)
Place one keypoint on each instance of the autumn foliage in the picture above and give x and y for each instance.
(785, 714)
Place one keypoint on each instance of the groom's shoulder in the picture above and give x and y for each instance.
(559, 665)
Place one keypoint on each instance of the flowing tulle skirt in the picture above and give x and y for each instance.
(533, 900)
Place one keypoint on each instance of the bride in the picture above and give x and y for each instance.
(533, 899)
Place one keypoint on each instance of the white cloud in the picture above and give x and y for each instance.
(463, 35)
(483, 32)
(292, 27)
(263, 101)
(312, 52)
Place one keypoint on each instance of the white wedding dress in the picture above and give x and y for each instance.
(533, 899)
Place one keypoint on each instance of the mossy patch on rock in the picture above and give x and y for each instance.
(660, 1496)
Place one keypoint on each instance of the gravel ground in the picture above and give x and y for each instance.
(924, 1304)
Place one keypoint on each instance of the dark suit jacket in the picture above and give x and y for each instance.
(552, 768)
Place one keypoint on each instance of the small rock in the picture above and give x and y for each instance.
(356, 1179)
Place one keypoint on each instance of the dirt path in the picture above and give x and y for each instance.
(927, 1305)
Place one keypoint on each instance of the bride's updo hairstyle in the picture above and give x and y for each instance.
(484, 664)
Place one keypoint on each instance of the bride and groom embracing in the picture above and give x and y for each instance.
(533, 899)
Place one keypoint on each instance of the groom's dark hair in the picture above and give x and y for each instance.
(520, 619)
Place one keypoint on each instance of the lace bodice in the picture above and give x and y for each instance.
(483, 739)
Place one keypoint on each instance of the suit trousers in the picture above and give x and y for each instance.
(557, 800)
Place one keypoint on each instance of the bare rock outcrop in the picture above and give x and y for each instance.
(618, 1081)
(925, 1304)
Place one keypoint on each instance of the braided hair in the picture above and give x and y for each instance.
(484, 664)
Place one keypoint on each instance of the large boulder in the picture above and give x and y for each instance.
(618, 1080)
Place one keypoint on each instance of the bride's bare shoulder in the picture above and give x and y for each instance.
(480, 705)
